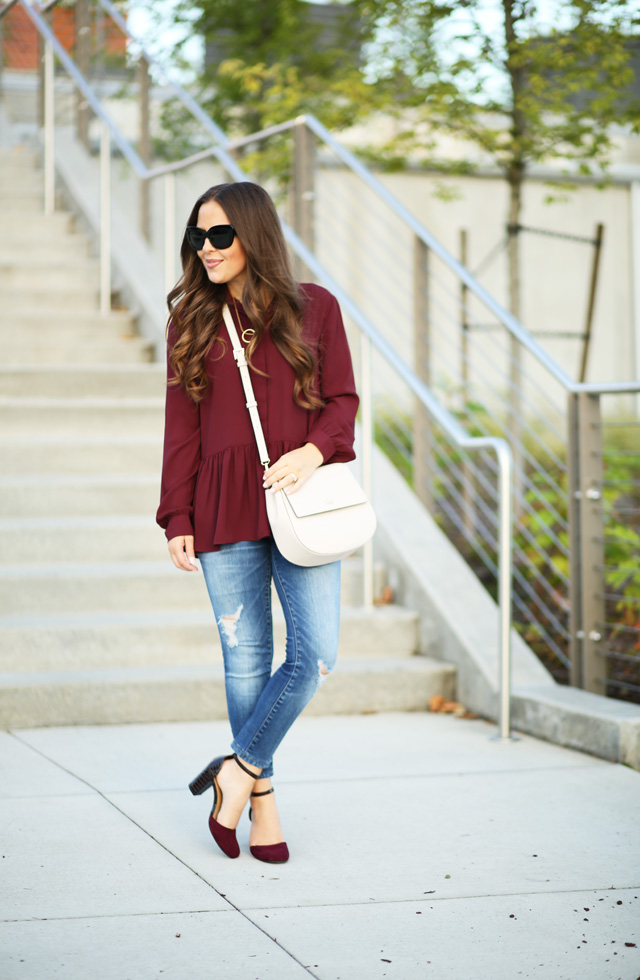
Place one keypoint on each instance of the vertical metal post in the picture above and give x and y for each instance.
(41, 82)
(515, 355)
(505, 533)
(144, 143)
(49, 132)
(593, 285)
(303, 190)
(83, 61)
(422, 426)
(464, 322)
(169, 231)
(634, 223)
(515, 417)
(48, 17)
(366, 412)
(105, 219)
(586, 533)
(468, 513)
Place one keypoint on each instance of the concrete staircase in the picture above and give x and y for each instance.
(96, 625)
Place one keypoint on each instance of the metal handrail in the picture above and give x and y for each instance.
(509, 321)
(464, 441)
(369, 334)
(221, 151)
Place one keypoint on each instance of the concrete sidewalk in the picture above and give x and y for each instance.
(420, 849)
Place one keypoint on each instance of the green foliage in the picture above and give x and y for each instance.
(521, 90)
(541, 538)
(393, 432)
(268, 65)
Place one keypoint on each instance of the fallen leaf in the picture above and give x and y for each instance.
(449, 707)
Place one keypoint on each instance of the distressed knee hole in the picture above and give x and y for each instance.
(229, 624)
(323, 671)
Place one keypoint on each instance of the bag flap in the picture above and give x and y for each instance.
(330, 488)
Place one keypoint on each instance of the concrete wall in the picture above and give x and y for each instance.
(371, 252)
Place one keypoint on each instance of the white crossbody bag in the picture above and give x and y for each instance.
(329, 517)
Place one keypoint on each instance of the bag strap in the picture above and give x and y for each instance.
(243, 367)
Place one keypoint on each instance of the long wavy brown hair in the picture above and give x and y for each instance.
(270, 297)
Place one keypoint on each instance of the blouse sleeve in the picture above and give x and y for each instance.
(180, 462)
(333, 429)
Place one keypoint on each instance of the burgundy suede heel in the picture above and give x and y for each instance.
(225, 837)
(269, 853)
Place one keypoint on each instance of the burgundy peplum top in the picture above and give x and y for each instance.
(211, 472)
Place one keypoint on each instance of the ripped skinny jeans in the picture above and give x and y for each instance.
(263, 705)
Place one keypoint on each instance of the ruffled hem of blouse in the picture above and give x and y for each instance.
(229, 500)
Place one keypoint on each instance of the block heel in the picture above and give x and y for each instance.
(225, 837)
(204, 780)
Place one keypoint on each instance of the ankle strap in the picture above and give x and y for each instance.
(264, 792)
(254, 775)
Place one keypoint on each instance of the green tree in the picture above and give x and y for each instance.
(271, 62)
(522, 90)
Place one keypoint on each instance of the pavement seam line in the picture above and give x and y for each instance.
(447, 898)
(115, 915)
(174, 856)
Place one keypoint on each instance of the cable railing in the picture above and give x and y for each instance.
(398, 284)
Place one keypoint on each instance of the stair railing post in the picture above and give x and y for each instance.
(83, 60)
(366, 414)
(303, 191)
(49, 132)
(505, 585)
(105, 219)
(423, 457)
(169, 231)
(586, 541)
(468, 508)
(144, 144)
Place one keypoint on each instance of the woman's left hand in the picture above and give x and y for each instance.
(293, 469)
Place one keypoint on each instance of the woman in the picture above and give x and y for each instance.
(212, 499)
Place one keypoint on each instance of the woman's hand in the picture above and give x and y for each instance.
(182, 553)
(293, 469)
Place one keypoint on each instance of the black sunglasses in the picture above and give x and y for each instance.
(220, 236)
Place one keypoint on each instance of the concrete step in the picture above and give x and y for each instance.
(118, 587)
(81, 416)
(86, 380)
(93, 641)
(36, 328)
(26, 201)
(13, 222)
(144, 586)
(41, 456)
(77, 297)
(14, 172)
(78, 495)
(64, 335)
(196, 693)
(19, 156)
(59, 247)
(57, 277)
(91, 322)
(116, 539)
(16, 181)
(50, 351)
(50, 540)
